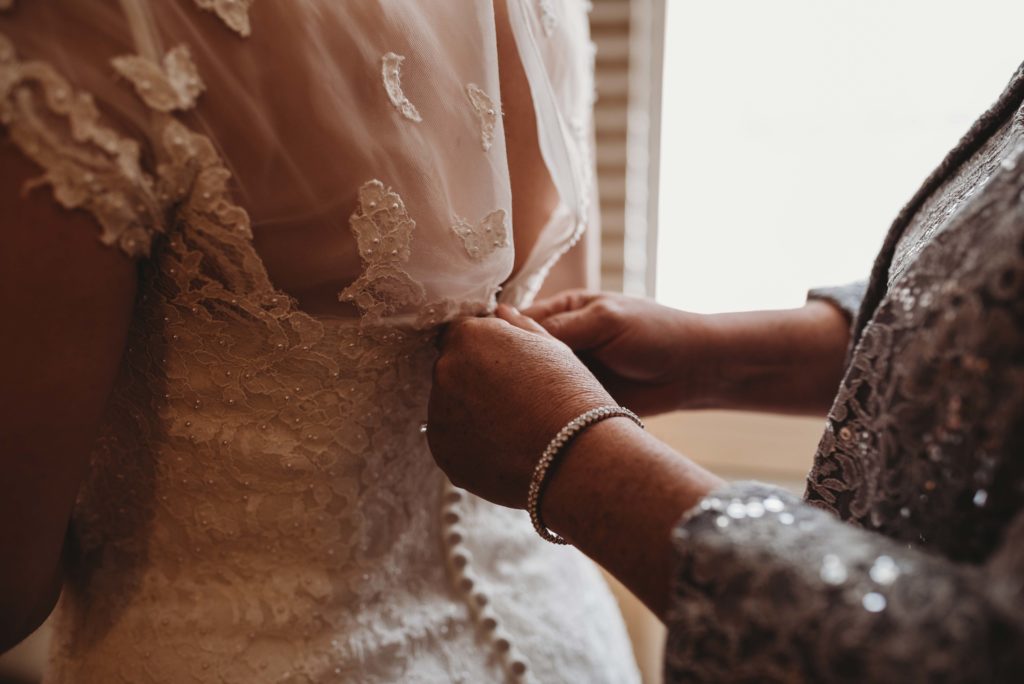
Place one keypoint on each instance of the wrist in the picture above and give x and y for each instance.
(707, 376)
(695, 372)
(547, 462)
(611, 472)
(785, 360)
(577, 481)
(616, 495)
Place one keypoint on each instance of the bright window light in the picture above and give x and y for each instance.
(794, 130)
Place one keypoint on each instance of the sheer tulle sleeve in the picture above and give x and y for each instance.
(91, 160)
(771, 589)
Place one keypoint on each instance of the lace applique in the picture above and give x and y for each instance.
(234, 13)
(548, 20)
(484, 238)
(383, 230)
(390, 68)
(485, 111)
(444, 310)
(175, 85)
(88, 165)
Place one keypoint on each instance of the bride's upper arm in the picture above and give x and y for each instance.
(580, 267)
(66, 302)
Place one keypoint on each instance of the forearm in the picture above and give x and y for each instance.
(755, 560)
(787, 361)
(616, 494)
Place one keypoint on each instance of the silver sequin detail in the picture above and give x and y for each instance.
(755, 509)
(736, 510)
(832, 570)
(873, 602)
(884, 570)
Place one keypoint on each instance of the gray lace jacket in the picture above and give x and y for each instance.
(905, 560)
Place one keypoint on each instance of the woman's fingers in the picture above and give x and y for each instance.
(581, 329)
(512, 315)
(581, 319)
(570, 300)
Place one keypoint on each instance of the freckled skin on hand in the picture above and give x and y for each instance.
(505, 386)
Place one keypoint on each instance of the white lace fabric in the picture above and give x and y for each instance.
(261, 504)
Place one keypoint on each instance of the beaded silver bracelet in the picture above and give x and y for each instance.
(540, 472)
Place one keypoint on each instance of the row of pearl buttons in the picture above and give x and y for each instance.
(470, 587)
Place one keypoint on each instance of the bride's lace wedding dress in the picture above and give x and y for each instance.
(261, 504)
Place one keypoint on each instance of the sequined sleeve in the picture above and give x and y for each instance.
(846, 298)
(768, 588)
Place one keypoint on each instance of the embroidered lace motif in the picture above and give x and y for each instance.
(485, 111)
(390, 68)
(383, 230)
(234, 13)
(88, 165)
(175, 85)
(484, 238)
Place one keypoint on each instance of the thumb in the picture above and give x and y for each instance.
(580, 330)
(512, 315)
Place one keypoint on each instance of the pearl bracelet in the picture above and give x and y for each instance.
(540, 472)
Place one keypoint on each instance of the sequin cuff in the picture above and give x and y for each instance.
(768, 588)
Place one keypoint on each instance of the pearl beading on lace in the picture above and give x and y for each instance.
(483, 239)
(540, 472)
(391, 73)
(487, 113)
(469, 586)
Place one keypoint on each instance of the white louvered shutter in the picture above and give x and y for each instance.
(628, 38)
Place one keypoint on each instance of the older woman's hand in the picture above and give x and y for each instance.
(653, 358)
(503, 387)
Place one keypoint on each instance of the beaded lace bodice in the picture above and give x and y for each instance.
(261, 504)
